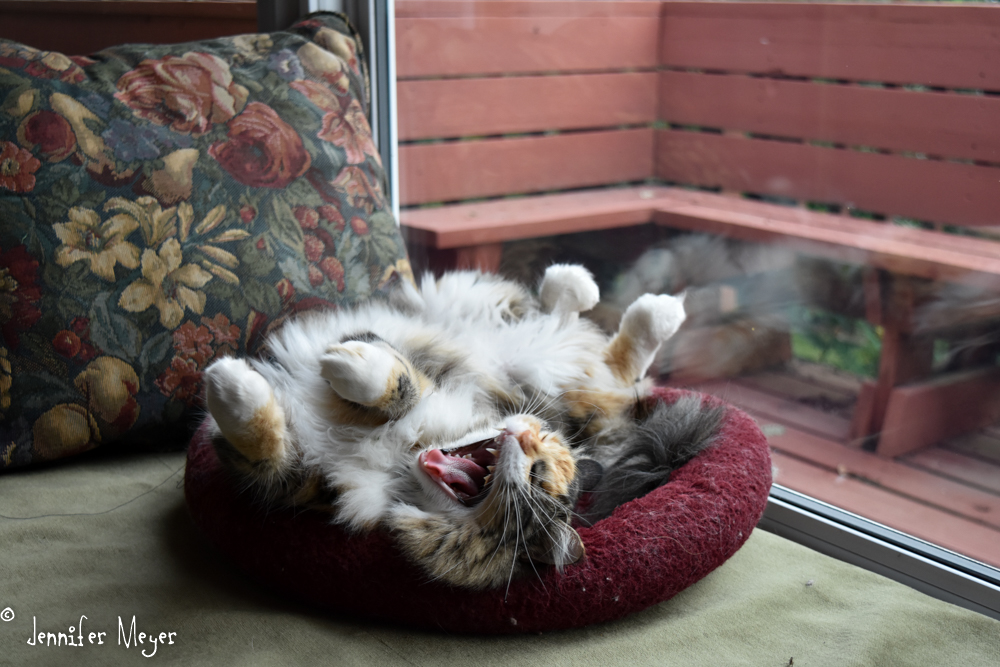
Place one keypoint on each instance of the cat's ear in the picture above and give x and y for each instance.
(565, 548)
(588, 473)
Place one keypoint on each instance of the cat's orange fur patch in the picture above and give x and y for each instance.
(594, 406)
(563, 468)
(263, 437)
(620, 359)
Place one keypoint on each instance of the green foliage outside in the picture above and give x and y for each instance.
(848, 344)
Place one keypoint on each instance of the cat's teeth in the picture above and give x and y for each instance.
(486, 480)
(491, 468)
(491, 451)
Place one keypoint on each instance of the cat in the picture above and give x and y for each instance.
(467, 417)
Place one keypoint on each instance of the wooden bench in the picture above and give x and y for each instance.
(527, 119)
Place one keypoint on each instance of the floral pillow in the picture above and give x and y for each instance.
(161, 206)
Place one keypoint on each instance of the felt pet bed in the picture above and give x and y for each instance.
(647, 551)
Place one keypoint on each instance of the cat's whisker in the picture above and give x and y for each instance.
(513, 561)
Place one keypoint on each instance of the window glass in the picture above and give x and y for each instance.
(820, 179)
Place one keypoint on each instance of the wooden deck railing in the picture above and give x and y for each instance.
(883, 111)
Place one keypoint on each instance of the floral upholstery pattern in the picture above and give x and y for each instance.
(161, 206)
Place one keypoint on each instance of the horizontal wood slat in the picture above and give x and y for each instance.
(529, 217)
(932, 489)
(887, 232)
(915, 252)
(503, 105)
(78, 28)
(959, 194)
(949, 46)
(942, 124)
(842, 239)
(484, 45)
(910, 516)
(507, 8)
(469, 169)
(767, 407)
(956, 466)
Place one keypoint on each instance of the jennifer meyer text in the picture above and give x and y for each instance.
(82, 634)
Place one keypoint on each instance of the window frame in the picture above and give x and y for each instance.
(926, 567)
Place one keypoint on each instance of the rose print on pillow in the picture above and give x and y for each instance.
(189, 92)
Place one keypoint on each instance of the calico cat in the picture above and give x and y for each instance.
(467, 417)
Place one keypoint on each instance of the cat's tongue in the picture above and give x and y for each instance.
(461, 475)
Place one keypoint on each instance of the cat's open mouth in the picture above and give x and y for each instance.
(464, 473)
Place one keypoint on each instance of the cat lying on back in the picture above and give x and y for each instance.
(466, 417)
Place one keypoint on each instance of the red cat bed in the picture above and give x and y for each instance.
(646, 552)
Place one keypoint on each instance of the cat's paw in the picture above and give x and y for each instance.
(653, 318)
(568, 288)
(245, 410)
(370, 375)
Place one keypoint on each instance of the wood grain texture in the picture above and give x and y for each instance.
(770, 407)
(947, 192)
(514, 8)
(957, 466)
(943, 493)
(923, 413)
(852, 227)
(79, 28)
(911, 516)
(469, 169)
(435, 47)
(916, 252)
(948, 46)
(942, 124)
(840, 243)
(504, 105)
(529, 217)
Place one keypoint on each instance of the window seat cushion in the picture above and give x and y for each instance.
(647, 551)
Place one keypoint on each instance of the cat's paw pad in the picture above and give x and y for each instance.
(654, 317)
(568, 288)
(361, 372)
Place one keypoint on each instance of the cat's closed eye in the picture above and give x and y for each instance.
(537, 473)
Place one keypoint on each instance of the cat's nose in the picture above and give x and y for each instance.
(525, 435)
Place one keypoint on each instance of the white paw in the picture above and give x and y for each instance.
(234, 393)
(359, 372)
(654, 317)
(568, 288)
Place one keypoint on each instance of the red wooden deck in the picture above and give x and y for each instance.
(948, 494)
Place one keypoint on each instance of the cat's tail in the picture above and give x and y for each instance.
(667, 439)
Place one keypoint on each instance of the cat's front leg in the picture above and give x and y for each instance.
(374, 374)
(248, 415)
(647, 324)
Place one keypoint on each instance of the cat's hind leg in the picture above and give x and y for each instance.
(568, 289)
(372, 373)
(249, 418)
(647, 323)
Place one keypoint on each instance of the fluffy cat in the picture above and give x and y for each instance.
(467, 417)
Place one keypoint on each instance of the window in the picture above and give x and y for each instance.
(812, 176)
